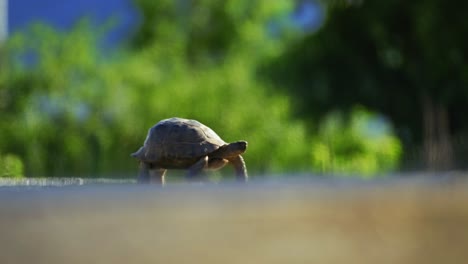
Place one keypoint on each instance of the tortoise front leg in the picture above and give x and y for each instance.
(196, 168)
(239, 167)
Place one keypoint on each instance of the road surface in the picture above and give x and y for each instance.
(316, 221)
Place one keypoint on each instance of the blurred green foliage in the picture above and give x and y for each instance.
(11, 166)
(362, 145)
(67, 108)
(406, 60)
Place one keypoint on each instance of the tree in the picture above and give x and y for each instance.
(210, 29)
(67, 108)
(404, 59)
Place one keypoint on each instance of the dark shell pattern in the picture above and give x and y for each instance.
(178, 138)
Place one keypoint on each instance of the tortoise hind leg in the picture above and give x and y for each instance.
(158, 176)
(143, 174)
(240, 168)
(148, 174)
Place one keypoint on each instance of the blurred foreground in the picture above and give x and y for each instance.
(410, 220)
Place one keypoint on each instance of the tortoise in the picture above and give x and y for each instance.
(178, 143)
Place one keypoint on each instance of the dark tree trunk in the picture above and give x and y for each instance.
(437, 142)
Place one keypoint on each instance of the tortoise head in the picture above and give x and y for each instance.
(240, 145)
(231, 150)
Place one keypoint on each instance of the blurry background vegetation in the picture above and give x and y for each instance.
(371, 88)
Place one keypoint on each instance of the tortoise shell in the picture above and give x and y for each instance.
(178, 138)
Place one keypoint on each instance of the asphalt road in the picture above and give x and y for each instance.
(301, 221)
